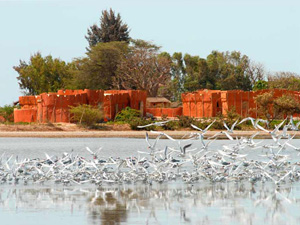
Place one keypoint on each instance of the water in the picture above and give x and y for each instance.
(167, 203)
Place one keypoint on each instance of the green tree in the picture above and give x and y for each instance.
(43, 74)
(111, 29)
(230, 70)
(175, 86)
(260, 85)
(97, 70)
(143, 68)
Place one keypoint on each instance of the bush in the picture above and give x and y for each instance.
(127, 115)
(286, 105)
(86, 115)
(232, 114)
(274, 123)
(140, 122)
(7, 112)
(185, 121)
(171, 125)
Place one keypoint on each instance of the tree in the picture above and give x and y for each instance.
(230, 70)
(97, 70)
(175, 86)
(220, 70)
(264, 104)
(284, 80)
(43, 74)
(260, 85)
(143, 69)
(286, 105)
(256, 72)
(111, 29)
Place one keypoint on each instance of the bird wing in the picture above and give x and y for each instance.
(169, 137)
(228, 135)
(244, 120)
(233, 125)
(195, 127)
(209, 125)
(148, 125)
(147, 139)
(89, 150)
(225, 125)
(261, 128)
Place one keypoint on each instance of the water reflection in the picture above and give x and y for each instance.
(224, 203)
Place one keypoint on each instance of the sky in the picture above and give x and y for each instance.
(266, 31)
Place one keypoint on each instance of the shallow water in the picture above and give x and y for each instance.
(171, 203)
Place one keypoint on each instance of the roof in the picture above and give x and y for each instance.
(157, 99)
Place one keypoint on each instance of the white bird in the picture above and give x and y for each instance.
(162, 123)
(205, 130)
(232, 127)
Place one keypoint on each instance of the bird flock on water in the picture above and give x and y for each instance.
(191, 159)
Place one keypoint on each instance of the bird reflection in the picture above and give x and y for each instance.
(242, 203)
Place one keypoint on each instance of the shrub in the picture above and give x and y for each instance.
(128, 114)
(86, 115)
(140, 122)
(185, 121)
(171, 125)
(232, 114)
(286, 105)
(7, 112)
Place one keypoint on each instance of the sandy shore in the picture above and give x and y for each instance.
(123, 134)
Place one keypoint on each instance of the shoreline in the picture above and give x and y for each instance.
(126, 134)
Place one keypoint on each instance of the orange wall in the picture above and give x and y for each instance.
(25, 115)
(54, 107)
(169, 112)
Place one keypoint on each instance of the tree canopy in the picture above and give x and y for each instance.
(42, 74)
(143, 68)
(111, 28)
(284, 80)
(98, 69)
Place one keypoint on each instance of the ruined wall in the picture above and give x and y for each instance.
(244, 101)
(136, 100)
(202, 103)
(28, 111)
(169, 112)
(54, 107)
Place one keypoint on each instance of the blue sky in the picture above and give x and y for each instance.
(267, 31)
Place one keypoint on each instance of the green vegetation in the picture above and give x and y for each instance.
(278, 108)
(86, 115)
(7, 112)
(127, 115)
(111, 29)
(43, 74)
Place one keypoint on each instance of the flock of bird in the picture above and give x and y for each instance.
(191, 159)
